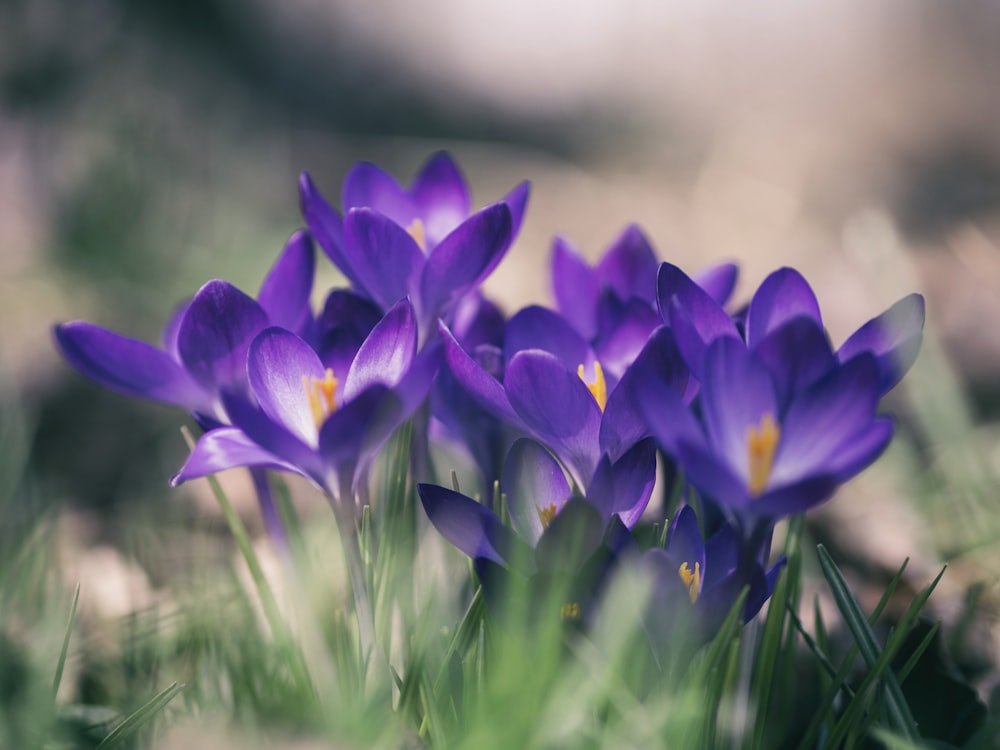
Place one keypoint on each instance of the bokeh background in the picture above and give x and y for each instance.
(148, 146)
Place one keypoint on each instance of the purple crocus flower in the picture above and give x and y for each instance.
(760, 456)
(420, 241)
(612, 305)
(548, 383)
(783, 326)
(204, 348)
(305, 420)
(697, 582)
(555, 532)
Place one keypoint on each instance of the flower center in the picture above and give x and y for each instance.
(416, 231)
(321, 393)
(691, 581)
(762, 442)
(599, 388)
(546, 514)
(570, 611)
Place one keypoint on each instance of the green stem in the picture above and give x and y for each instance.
(348, 530)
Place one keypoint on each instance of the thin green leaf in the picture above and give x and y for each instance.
(140, 717)
(61, 663)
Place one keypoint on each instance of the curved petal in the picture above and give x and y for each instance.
(171, 329)
(227, 448)
(696, 319)
(557, 407)
(129, 366)
(629, 266)
(894, 337)
(714, 477)
(355, 431)
(660, 404)
(517, 201)
(216, 332)
(575, 287)
(440, 196)
(471, 527)
(537, 327)
(533, 481)
(718, 281)
(477, 320)
(627, 413)
(634, 476)
(736, 394)
(278, 363)
(721, 556)
(347, 319)
(462, 259)
(387, 353)
(783, 295)
(367, 186)
(862, 449)
(824, 418)
(622, 338)
(326, 226)
(285, 292)
(385, 258)
(795, 498)
(798, 353)
(483, 387)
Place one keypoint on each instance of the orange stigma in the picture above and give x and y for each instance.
(599, 388)
(762, 443)
(546, 514)
(691, 581)
(321, 393)
(570, 611)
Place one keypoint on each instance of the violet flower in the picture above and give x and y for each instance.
(555, 532)
(760, 456)
(612, 305)
(420, 241)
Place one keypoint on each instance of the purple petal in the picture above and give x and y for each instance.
(471, 527)
(825, 418)
(783, 295)
(797, 353)
(556, 405)
(696, 319)
(356, 430)
(172, 328)
(795, 498)
(326, 226)
(462, 258)
(343, 326)
(620, 343)
(627, 412)
(634, 477)
(216, 332)
(719, 281)
(576, 288)
(483, 387)
(387, 353)
(441, 197)
(385, 258)
(712, 474)
(629, 266)
(894, 337)
(532, 480)
(367, 186)
(862, 449)
(129, 366)
(736, 394)
(277, 363)
(536, 327)
(721, 556)
(414, 386)
(285, 293)
(517, 201)
(227, 448)
(660, 404)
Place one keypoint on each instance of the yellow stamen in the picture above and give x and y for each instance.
(321, 393)
(416, 231)
(691, 581)
(570, 611)
(599, 388)
(546, 514)
(762, 443)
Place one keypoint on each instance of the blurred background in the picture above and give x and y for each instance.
(148, 146)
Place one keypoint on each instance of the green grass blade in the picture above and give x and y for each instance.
(140, 717)
(61, 663)
(857, 623)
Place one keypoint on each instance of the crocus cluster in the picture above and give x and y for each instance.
(564, 414)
